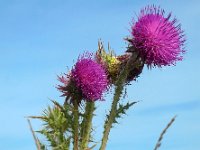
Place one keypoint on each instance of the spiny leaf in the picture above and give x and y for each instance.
(58, 105)
(37, 117)
(121, 110)
(57, 126)
(50, 137)
(66, 109)
(55, 119)
(93, 146)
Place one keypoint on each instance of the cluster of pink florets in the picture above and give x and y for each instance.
(158, 39)
(89, 78)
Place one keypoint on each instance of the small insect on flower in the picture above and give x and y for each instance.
(158, 38)
(87, 80)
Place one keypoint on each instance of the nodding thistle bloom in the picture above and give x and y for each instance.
(87, 80)
(158, 39)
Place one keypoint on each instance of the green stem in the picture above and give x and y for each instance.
(75, 125)
(118, 91)
(87, 124)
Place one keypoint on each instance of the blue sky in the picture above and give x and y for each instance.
(39, 39)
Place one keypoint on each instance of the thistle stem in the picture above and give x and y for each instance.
(75, 125)
(118, 91)
(87, 124)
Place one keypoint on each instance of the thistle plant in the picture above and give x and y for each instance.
(156, 41)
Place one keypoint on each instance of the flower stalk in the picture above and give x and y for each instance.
(87, 124)
(120, 83)
(75, 125)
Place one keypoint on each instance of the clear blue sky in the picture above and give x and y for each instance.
(40, 38)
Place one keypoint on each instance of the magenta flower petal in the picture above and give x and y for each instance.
(158, 39)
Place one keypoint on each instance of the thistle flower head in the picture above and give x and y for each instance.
(87, 80)
(158, 39)
(90, 77)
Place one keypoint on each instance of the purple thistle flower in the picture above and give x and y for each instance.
(90, 77)
(87, 80)
(158, 39)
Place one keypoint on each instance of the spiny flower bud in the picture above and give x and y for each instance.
(115, 64)
(110, 62)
